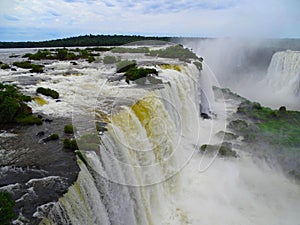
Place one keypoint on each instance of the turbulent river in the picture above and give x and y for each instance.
(148, 168)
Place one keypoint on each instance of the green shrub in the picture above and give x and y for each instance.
(69, 129)
(91, 59)
(5, 66)
(66, 143)
(54, 137)
(7, 204)
(23, 64)
(198, 64)
(48, 92)
(135, 73)
(81, 157)
(108, 59)
(125, 65)
(13, 108)
(27, 55)
(28, 120)
(70, 144)
(62, 54)
(39, 55)
(37, 69)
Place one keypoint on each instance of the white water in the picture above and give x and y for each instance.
(127, 181)
(281, 85)
(277, 86)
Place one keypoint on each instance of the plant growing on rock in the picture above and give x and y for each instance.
(13, 108)
(69, 129)
(7, 204)
(48, 92)
(5, 66)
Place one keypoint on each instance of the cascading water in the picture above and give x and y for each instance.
(132, 178)
(145, 171)
(284, 73)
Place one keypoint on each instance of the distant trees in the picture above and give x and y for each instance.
(87, 40)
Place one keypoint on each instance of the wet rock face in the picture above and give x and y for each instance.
(35, 172)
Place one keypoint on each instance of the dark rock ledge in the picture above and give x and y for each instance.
(35, 172)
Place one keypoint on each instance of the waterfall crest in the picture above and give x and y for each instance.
(132, 178)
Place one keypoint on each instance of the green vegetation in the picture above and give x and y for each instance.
(87, 40)
(48, 92)
(23, 64)
(29, 120)
(37, 69)
(27, 65)
(280, 127)
(81, 157)
(13, 108)
(130, 50)
(63, 54)
(198, 64)
(109, 59)
(132, 72)
(69, 129)
(137, 73)
(174, 51)
(7, 204)
(54, 137)
(70, 144)
(125, 65)
(91, 59)
(99, 49)
(5, 66)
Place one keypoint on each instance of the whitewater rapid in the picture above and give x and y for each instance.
(148, 169)
(130, 182)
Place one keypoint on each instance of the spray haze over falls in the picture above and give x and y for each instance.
(149, 169)
(256, 69)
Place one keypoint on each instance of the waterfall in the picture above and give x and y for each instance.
(134, 176)
(284, 73)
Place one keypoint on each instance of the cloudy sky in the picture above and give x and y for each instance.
(22, 20)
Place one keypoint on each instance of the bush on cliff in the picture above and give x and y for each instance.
(13, 108)
(6, 208)
(48, 92)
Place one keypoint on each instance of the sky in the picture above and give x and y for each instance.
(33, 20)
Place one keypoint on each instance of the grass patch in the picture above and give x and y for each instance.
(48, 92)
(280, 127)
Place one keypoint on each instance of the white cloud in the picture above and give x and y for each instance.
(163, 17)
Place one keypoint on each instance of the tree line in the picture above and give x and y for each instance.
(87, 40)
